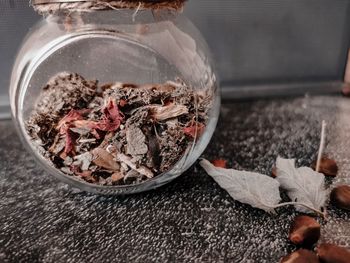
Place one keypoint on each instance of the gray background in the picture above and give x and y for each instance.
(254, 42)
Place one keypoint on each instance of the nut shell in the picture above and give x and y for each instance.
(274, 172)
(329, 253)
(300, 256)
(304, 231)
(346, 90)
(340, 197)
(327, 166)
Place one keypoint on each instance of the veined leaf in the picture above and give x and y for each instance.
(257, 190)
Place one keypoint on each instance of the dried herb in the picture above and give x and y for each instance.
(116, 133)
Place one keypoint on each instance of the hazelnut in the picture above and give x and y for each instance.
(346, 90)
(274, 172)
(327, 166)
(329, 253)
(300, 256)
(340, 197)
(304, 231)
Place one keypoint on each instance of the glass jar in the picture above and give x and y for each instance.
(145, 48)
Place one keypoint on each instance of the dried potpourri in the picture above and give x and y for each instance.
(119, 133)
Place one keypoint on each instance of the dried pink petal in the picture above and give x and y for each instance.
(111, 120)
(112, 117)
(195, 130)
(70, 141)
(73, 115)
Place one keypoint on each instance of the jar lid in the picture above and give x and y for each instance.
(53, 6)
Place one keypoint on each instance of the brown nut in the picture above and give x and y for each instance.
(300, 256)
(274, 172)
(340, 197)
(304, 231)
(327, 166)
(329, 253)
(346, 90)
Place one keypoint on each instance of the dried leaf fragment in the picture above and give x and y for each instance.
(104, 159)
(117, 176)
(136, 141)
(87, 175)
(162, 113)
(141, 169)
(257, 190)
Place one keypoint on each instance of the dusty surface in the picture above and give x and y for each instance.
(189, 220)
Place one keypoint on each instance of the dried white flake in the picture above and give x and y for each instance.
(83, 160)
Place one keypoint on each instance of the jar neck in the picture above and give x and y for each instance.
(121, 16)
(53, 6)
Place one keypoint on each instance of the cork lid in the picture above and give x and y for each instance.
(53, 6)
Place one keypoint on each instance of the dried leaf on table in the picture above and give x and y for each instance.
(303, 184)
(257, 190)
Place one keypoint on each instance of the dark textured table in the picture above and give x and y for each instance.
(190, 219)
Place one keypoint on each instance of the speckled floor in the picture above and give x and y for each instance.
(189, 220)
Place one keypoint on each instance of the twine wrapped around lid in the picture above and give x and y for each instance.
(53, 6)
